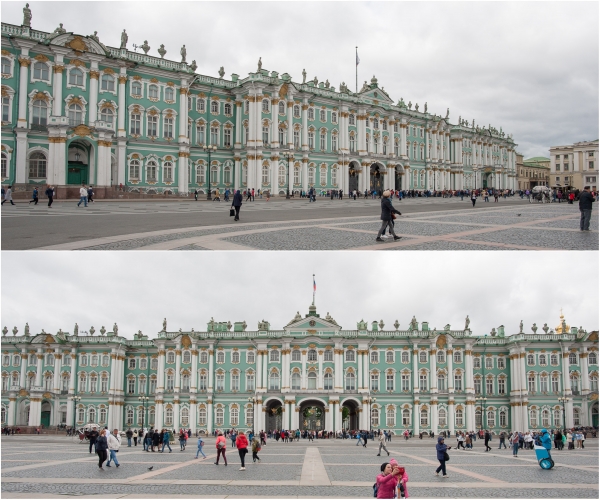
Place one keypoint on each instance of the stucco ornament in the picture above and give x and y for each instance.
(534, 328)
(4, 331)
(381, 324)
(221, 72)
(145, 47)
(102, 330)
(361, 325)
(396, 325)
(15, 330)
(545, 328)
(193, 66)
(92, 330)
(244, 326)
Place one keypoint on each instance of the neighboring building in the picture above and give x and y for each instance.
(574, 166)
(533, 172)
(75, 110)
(311, 374)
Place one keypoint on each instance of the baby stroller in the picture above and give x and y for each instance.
(543, 457)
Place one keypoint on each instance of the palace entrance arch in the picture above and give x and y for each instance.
(274, 415)
(353, 176)
(376, 176)
(80, 162)
(312, 415)
(350, 415)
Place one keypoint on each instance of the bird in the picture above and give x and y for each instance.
(150, 468)
(518, 215)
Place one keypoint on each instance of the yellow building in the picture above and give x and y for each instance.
(533, 172)
(575, 165)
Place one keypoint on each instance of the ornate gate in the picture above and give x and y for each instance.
(313, 418)
(352, 179)
(376, 179)
(273, 420)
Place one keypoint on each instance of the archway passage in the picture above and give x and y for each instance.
(312, 416)
(398, 177)
(595, 415)
(46, 414)
(350, 416)
(376, 178)
(353, 177)
(273, 420)
(79, 155)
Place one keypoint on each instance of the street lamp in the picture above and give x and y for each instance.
(251, 400)
(209, 149)
(75, 400)
(564, 400)
(143, 400)
(290, 156)
(481, 400)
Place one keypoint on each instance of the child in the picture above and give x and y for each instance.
(402, 479)
(200, 445)
(255, 449)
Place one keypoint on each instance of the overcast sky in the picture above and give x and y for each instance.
(53, 290)
(528, 67)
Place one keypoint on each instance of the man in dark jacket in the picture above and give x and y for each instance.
(50, 194)
(237, 204)
(92, 437)
(387, 210)
(585, 207)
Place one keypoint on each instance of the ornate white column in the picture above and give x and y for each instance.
(470, 414)
(451, 416)
(338, 417)
(211, 368)
(94, 77)
(24, 62)
(57, 91)
(329, 416)
(57, 364)
(416, 417)
(415, 369)
(159, 414)
(274, 123)
(339, 369)
(304, 374)
(585, 376)
(194, 378)
(23, 377)
(469, 386)
(178, 368)
(39, 368)
(305, 124)
(450, 365)
(434, 416)
(259, 419)
(259, 382)
(12, 410)
(565, 373)
(121, 131)
(193, 415)
(161, 369)
(433, 369)
(360, 381)
(290, 122)
(523, 371)
(320, 374)
(73, 373)
(238, 122)
(361, 130)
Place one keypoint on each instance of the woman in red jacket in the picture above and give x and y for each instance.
(221, 445)
(241, 443)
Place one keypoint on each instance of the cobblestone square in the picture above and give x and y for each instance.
(54, 466)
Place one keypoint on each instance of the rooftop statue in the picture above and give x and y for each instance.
(124, 39)
(183, 53)
(164, 325)
(414, 325)
(447, 113)
(545, 328)
(27, 329)
(361, 325)
(326, 84)
(194, 66)
(115, 329)
(145, 47)
(162, 51)
(95, 37)
(316, 81)
(60, 30)
(304, 76)
(409, 104)
(425, 108)
(534, 328)
(229, 325)
(221, 72)
(102, 330)
(493, 332)
(467, 322)
(244, 326)
(15, 331)
(381, 324)
(4, 331)
(259, 64)
(417, 107)
(27, 16)
(396, 325)
(92, 330)
(521, 327)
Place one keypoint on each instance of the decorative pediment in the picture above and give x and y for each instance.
(313, 323)
(43, 338)
(79, 43)
(377, 95)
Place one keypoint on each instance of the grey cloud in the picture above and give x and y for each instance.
(528, 67)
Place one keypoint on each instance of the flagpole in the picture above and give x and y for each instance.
(356, 65)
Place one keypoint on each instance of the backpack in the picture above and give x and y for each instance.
(375, 488)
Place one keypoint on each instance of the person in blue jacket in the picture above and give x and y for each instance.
(546, 441)
(441, 449)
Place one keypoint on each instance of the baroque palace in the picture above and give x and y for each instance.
(75, 110)
(312, 374)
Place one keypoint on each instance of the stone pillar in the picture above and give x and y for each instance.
(121, 129)
(35, 411)
(339, 418)
(523, 371)
(211, 369)
(58, 85)
(57, 364)
(416, 417)
(259, 383)
(159, 415)
(305, 124)
(24, 61)
(73, 373)
(320, 374)
(237, 173)
(178, 368)
(259, 421)
(451, 416)
(469, 386)
(360, 381)
(161, 369)
(93, 105)
(329, 416)
(238, 122)
(176, 415)
(12, 410)
(182, 171)
(450, 365)
(293, 414)
(470, 415)
(433, 369)
(275, 122)
(338, 373)
(585, 376)
(23, 377)
(193, 416)
(565, 373)
(364, 414)
(194, 377)
(434, 416)
(265, 366)
(39, 368)
(21, 170)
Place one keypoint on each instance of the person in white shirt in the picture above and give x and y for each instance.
(83, 197)
(114, 443)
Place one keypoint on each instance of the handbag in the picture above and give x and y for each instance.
(231, 212)
(446, 456)
(393, 216)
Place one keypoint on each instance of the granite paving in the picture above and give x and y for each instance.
(559, 240)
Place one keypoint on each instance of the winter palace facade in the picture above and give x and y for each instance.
(312, 374)
(75, 110)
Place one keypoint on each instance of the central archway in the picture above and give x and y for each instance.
(376, 176)
(353, 170)
(312, 415)
(350, 415)
(273, 410)
(80, 158)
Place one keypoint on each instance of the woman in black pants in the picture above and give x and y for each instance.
(237, 204)
(101, 447)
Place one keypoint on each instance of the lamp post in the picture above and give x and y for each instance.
(290, 156)
(564, 400)
(481, 400)
(75, 400)
(251, 400)
(209, 149)
(143, 400)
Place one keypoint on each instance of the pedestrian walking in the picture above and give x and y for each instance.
(473, 197)
(217, 196)
(221, 445)
(237, 204)
(442, 456)
(129, 435)
(200, 445)
(83, 196)
(101, 448)
(487, 439)
(585, 207)
(241, 443)
(256, 447)
(248, 195)
(92, 437)
(502, 440)
(114, 443)
(382, 438)
(8, 196)
(34, 196)
(387, 482)
(196, 194)
(387, 216)
(135, 437)
(165, 442)
(90, 194)
(515, 444)
(155, 439)
(49, 194)
(182, 438)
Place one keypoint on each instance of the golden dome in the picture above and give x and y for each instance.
(562, 326)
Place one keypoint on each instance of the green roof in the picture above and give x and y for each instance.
(537, 158)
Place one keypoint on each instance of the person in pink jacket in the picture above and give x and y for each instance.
(402, 479)
(387, 481)
(221, 444)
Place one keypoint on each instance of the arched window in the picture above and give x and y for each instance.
(406, 417)
(136, 89)
(75, 114)
(107, 115)
(489, 363)
(442, 417)
(153, 92)
(169, 94)
(6, 66)
(594, 383)
(311, 176)
(533, 418)
(134, 169)
(185, 417)
(423, 357)
(76, 77)
(458, 417)
(328, 355)
(265, 105)
(374, 417)
(154, 364)
(135, 124)
(441, 382)
(169, 417)
(424, 418)
(323, 115)
(265, 175)
(530, 359)
(282, 107)
(281, 176)
(296, 111)
(202, 416)
(4, 169)
(108, 83)
(151, 169)
(40, 71)
(274, 357)
(441, 357)
(491, 419)
(200, 176)
(187, 357)
(574, 382)
(250, 357)
(328, 381)
(542, 360)
(220, 357)
(573, 358)
(405, 358)
(391, 418)
(167, 171)
(350, 381)
(185, 382)
(39, 114)
(249, 417)
(37, 165)
(476, 362)
(203, 357)
(323, 179)
(592, 358)
(296, 356)
(312, 380)
(312, 355)
(389, 356)
(170, 357)
(214, 107)
(350, 355)
(374, 357)
(296, 381)
(311, 113)
(274, 380)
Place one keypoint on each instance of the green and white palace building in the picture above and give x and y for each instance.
(310, 374)
(75, 110)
